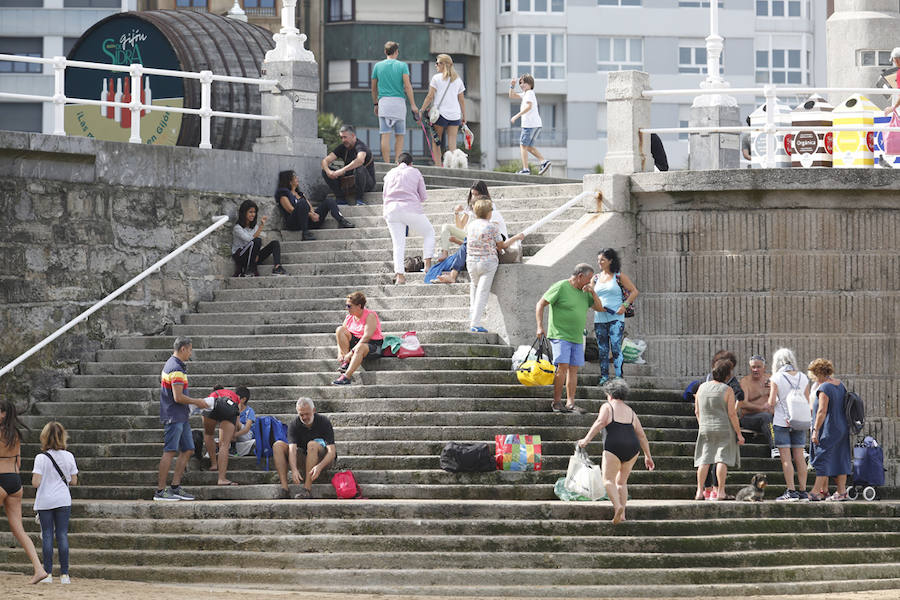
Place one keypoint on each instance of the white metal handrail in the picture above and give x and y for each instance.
(556, 212)
(136, 71)
(219, 221)
(770, 128)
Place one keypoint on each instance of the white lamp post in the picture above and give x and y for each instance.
(289, 41)
(713, 81)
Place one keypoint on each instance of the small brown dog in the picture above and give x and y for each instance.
(755, 491)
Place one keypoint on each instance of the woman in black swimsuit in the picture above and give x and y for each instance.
(11, 482)
(624, 438)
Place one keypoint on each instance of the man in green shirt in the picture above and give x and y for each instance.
(569, 301)
(390, 90)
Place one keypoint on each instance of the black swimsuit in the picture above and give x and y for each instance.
(11, 482)
(621, 440)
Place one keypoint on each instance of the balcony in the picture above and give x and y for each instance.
(552, 138)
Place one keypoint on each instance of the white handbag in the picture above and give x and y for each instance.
(584, 477)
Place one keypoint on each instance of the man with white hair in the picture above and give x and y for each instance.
(312, 435)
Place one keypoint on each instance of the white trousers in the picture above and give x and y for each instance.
(397, 222)
(448, 229)
(481, 277)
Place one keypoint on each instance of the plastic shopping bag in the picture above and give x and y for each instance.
(522, 354)
(584, 477)
(410, 346)
(892, 138)
(632, 350)
(565, 495)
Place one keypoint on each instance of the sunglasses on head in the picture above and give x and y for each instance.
(757, 357)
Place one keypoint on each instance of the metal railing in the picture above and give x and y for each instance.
(771, 128)
(558, 211)
(219, 221)
(509, 137)
(136, 71)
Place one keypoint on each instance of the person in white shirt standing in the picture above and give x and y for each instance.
(404, 197)
(531, 122)
(54, 471)
(446, 91)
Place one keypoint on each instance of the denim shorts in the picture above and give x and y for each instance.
(392, 125)
(177, 437)
(447, 122)
(785, 437)
(567, 353)
(529, 134)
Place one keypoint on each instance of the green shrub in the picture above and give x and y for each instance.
(330, 129)
(598, 169)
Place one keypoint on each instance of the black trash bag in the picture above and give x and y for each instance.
(472, 457)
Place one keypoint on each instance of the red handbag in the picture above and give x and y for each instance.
(410, 346)
(345, 485)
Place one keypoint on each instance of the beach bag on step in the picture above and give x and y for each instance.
(584, 477)
(410, 346)
(518, 452)
(473, 457)
(540, 370)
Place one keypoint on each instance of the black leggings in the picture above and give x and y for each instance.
(299, 219)
(247, 261)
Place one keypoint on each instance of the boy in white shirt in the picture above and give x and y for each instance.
(531, 122)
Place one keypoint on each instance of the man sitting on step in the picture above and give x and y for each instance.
(312, 435)
(359, 163)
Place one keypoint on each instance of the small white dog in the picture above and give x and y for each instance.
(456, 159)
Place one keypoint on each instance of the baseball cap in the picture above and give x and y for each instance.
(895, 53)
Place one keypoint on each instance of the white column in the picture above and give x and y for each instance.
(289, 41)
(715, 43)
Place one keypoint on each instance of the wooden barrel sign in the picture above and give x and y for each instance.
(811, 149)
(167, 39)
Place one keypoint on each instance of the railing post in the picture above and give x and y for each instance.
(769, 91)
(59, 95)
(136, 70)
(627, 112)
(205, 107)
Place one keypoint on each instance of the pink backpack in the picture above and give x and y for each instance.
(345, 485)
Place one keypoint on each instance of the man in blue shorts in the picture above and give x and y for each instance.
(391, 89)
(569, 301)
(173, 412)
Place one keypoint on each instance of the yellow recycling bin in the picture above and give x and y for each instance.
(855, 149)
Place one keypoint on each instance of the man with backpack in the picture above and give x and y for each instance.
(312, 435)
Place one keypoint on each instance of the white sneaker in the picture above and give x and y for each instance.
(776, 453)
(64, 579)
(47, 579)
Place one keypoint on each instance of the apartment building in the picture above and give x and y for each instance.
(348, 36)
(570, 46)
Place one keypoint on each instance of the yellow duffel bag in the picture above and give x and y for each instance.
(540, 369)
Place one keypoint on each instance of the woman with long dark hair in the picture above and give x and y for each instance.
(617, 292)
(298, 211)
(11, 482)
(246, 246)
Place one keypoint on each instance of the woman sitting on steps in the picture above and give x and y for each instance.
(246, 246)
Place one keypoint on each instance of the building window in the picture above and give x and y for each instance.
(340, 10)
(532, 6)
(505, 57)
(21, 116)
(195, 5)
(696, 3)
(92, 3)
(361, 74)
(21, 46)
(683, 136)
(778, 66)
(260, 8)
(778, 8)
(455, 14)
(871, 58)
(541, 54)
(620, 54)
(619, 2)
(692, 58)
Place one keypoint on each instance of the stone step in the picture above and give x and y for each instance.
(275, 341)
(411, 314)
(537, 188)
(519, 210)
(488, 177)
(311, 365)
(392, 327)
(361, 378)
(275, 305)
(495, 581)
(369, 227)
(289, 353)
(378, 391)
(380, 240)
(414, 247)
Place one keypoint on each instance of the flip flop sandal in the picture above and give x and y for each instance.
(559, 407)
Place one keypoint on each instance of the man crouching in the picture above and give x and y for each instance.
(311, 434)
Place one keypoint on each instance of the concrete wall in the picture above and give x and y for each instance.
(748, 261)
(82, 217)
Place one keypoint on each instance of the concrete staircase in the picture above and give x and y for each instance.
(441, 178)
(423, 530)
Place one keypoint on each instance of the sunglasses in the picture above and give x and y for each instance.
(349, 305)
